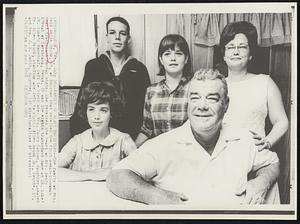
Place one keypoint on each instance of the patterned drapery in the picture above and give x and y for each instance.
(272, 28)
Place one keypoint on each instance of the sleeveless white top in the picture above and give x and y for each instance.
(248, 103)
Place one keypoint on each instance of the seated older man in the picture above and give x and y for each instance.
(200, 162)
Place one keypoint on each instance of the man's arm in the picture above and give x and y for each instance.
(140, 139)
(128, 185)
(257, 188)
(66, 174)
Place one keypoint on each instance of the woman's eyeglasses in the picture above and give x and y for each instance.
(242, 48)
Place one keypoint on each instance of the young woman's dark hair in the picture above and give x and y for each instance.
(170, 42)
(100, 92)
(119, 19)
(228, 34)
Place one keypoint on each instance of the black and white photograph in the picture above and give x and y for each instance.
(170, 111)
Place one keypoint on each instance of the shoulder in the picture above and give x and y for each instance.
(154, 88)
(81, 137)
(164, 140)
(156, 85)
(231, 133)
(259, 77)
(134, 64)
(77, 141)
(96, 61)
(118, 135)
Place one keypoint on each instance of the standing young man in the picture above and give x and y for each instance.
(129, 76)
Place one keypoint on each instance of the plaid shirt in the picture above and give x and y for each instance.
(164, 110)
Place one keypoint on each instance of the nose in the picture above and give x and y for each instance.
(173, 56)
(236, 50)
(202, 105)
(117, 36)
(97, 116)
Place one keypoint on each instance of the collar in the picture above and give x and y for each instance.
(128, 57)
(226, 137)
(181, 83)
(89, 143)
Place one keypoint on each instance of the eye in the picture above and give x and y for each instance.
(243, 47)
(166, 53)
(179, 53)
(194, 98)
(230, 47)
(213, 99)
(123, 33)
(111, 32)
(90, 109)
(104, 110)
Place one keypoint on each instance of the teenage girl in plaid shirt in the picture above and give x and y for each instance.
(166, 101)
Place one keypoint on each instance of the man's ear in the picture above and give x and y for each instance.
(106, 35)
(227, 100)
(129, 39)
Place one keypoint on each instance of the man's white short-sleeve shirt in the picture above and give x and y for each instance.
(175, 161)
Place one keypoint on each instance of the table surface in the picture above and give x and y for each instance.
(90, 195)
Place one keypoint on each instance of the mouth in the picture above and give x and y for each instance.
(173, 65)
(117, 44)
(97, 123)
(202, 115)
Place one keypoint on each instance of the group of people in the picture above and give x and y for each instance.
(188, 138)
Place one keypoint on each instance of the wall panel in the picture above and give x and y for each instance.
(155, 30)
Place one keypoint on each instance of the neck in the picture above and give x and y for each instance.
(100, 135)
(237, 75)
(173, 80)
(207, 140)
(117, 58)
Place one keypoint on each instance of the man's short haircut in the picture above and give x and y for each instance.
(211, 74)
(119, 19)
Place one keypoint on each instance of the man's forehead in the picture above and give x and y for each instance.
(114, 24)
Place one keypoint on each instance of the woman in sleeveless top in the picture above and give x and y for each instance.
(252, 97)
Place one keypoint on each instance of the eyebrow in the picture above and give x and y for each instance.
(112, 29)
(231, 44)
(214, 94)
(210, 94)
(100, 107)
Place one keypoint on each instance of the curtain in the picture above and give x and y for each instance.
(272, 28)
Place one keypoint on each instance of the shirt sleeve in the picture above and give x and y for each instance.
(128, 145)
(68, 153)
(143, 162)
(263, 158)
(147, 127)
